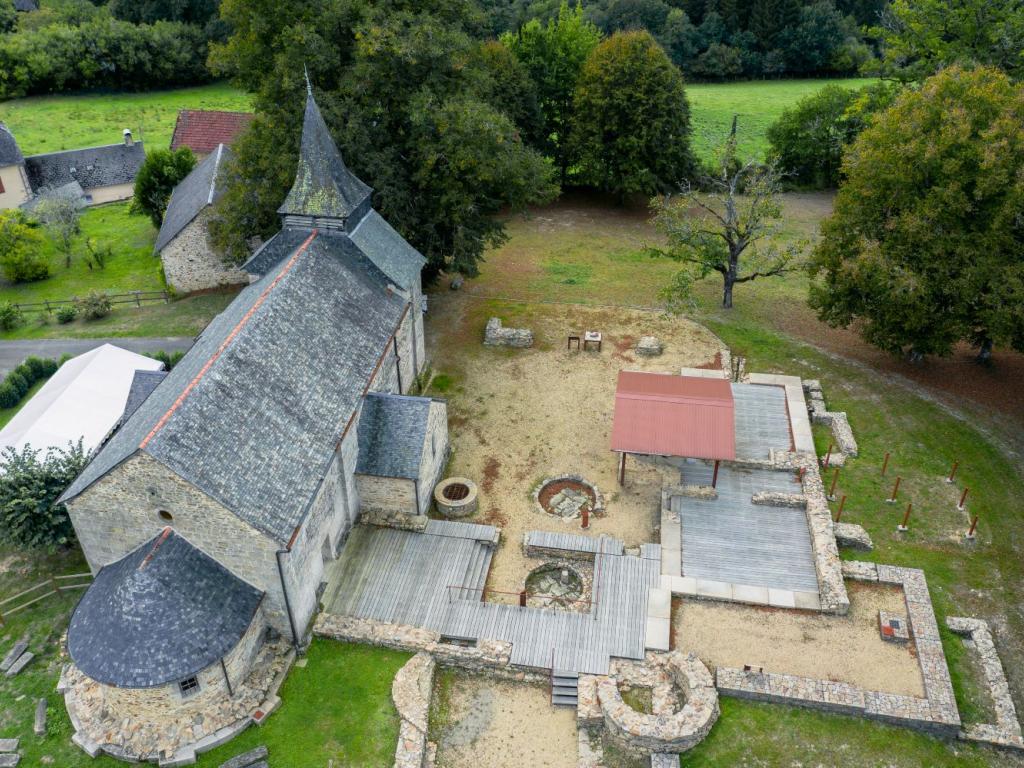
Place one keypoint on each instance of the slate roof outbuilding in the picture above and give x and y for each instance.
(26, 6)
(10, 152)
(91, 167)
(392, 431)
(160, 614)
(202, 130)
(202, 187)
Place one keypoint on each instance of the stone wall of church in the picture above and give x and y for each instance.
(435, 452)
(121, 511)
(386, 494)
(191, 264)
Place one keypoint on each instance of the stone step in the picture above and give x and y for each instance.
(250, 759)
(20, 664)
(14, 654)
(565, 673)
(9, 745)
(561, 700)
(568, 684)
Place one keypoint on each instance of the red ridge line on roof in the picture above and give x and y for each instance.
(156, 547)
(231, 337)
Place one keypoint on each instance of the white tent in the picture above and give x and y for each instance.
(83, 400)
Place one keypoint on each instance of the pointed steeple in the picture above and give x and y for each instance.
(326, 193)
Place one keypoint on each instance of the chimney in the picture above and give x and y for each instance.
(128, 140)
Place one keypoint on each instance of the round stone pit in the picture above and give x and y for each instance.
(560, 584)
(567, 496)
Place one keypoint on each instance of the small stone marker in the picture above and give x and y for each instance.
(893, 628)
(20, 664)
(248, 759)
(9, 745)
(14, 654)
(649, 346)
(40, 724)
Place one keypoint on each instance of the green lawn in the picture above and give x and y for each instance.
(132, 267)
(53, 123)
(758, 104)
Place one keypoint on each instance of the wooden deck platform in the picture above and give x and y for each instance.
(434, 580)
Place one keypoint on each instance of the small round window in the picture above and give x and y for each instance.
(164, 515)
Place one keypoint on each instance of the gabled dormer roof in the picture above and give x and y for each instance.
(324, 186)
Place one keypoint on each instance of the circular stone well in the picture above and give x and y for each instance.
(558, 584)
(456, 497)
(566, 496)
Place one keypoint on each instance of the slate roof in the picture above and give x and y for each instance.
(72, 190)
(159, 615)
(202, 130)
(270, 254)
(388, 250)
(91, 167)
(392, 431)
(324, 187)
(25, 6)
(10, 153)
(196, 191)
(143, 384)
(251, 415)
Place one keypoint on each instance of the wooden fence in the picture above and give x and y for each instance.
(136, 298)
(55, 586)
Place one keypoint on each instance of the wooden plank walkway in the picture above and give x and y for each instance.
(762, 421)
(404, 577)
(574, 542)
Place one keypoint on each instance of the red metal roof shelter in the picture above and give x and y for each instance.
(661, 414)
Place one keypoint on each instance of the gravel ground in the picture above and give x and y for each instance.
(847, 649)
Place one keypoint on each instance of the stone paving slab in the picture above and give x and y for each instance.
(20, 664)
(14, 654)
(9, 745)
(9, 760)
(246, 759)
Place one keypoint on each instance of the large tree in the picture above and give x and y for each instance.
(922, 36)
(632, 121)
(925, 247)
(412, 104)
(553, 54)
(731, 228)
(161, 172)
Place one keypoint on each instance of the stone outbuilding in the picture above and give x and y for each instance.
(248, 448)
(183, 244)
(402, 452)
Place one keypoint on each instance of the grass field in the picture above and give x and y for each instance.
(53, 123)
(758, 104)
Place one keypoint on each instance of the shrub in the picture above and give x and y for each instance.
(10, 316)
(9, 396)
(21, 258)
(36, 367)
(50, 367)
(66, 314)
(29, 489)
(169, 360)
(94, 306)
(19, 383)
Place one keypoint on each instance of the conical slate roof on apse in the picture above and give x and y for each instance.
(324, 187)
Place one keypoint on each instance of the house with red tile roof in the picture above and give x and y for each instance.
(203, 130)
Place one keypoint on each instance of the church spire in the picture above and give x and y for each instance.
(326, 193)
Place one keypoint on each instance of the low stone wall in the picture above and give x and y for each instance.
(831, 589)
(389, 518)
(703, 492)
(676, 731)
(497, 336)
(778, 499)
(411, 692)
(935, 713)
(1006, 731)
(853, 536)
(487, 656)
(836, 420)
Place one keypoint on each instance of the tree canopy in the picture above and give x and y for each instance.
(161, 172)
(631, 139)
(29, 489)
(925, 247)
(923, 36)
(413, 104)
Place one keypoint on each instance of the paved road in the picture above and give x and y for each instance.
(13, 352)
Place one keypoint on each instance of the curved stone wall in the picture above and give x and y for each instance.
(675, 731)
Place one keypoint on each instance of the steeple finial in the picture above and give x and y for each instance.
(309, 85)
